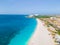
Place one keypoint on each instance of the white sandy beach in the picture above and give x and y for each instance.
(41, 35)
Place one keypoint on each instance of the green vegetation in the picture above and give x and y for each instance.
(48, 23)
(58, 32)
(42, 16)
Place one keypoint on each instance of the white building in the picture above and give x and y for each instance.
(53, 18)
(36, 14)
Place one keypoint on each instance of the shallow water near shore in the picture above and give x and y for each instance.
(15, 29)
(23, 36)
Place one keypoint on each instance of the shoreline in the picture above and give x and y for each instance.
(41, 35)
(24, 35)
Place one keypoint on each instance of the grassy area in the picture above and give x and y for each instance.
(58, 32)
(42, 16)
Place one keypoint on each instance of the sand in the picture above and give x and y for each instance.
(41, 35)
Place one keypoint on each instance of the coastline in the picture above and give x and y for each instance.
(41, 35)
(25, 34)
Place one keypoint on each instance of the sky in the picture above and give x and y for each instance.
(29, 6)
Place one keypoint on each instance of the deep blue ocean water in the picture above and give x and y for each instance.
(16, 29)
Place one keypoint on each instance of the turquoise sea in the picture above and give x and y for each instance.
(16, 29)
